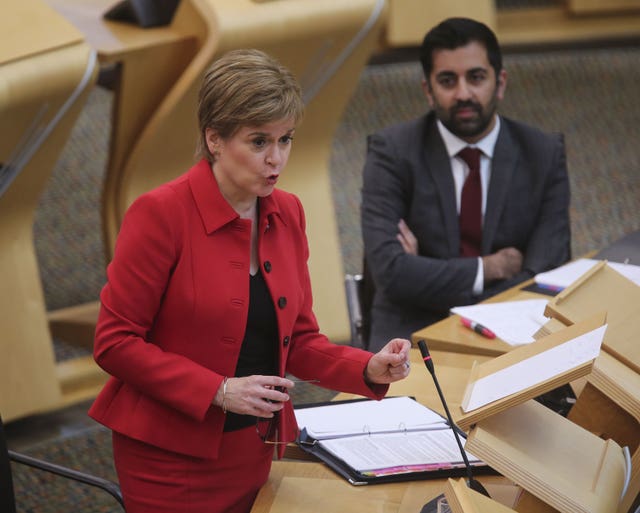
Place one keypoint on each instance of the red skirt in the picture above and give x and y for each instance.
(154, 480)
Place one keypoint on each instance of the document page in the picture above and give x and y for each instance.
(563, 276)
(535, 370)
(515, 322)
(398, 452)
(353, 418)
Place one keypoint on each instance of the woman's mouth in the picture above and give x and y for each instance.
(272, 179)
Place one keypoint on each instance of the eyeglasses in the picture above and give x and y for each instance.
(267, 428)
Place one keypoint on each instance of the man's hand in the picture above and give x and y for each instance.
(502, 265)
(407, 238)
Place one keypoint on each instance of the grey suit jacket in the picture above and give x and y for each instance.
(407, 175)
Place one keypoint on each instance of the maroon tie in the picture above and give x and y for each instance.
(471, 205)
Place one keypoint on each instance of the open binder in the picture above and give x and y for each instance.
(370, 442)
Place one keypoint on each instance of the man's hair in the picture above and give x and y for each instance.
(243, 88)
(453, 33)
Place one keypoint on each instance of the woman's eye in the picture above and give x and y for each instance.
(260, 142)
(286, 139)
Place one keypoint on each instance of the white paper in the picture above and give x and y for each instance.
(344, 419)
(386, 451)
(535, 370)
(515, 322)
(566, 274)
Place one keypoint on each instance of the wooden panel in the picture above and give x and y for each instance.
(33, 90)
(29, 27)
(552, 26)
(602, 6)
(409, 20)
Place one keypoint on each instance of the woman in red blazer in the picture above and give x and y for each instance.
(208, 305)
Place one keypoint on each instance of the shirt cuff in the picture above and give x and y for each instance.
(478, 284)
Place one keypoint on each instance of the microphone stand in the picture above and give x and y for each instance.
(471, 482)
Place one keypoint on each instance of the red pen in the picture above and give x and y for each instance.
(478, 328)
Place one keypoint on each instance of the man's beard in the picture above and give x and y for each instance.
(471, 127)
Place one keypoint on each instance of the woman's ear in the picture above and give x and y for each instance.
(213, 140)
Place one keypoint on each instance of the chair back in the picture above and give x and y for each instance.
(7, 497)
(360, 290)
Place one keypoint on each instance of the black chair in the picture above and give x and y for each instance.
(360, 289)
(7, 496)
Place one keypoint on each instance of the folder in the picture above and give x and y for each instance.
(395, 439)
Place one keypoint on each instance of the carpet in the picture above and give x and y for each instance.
(41, 492)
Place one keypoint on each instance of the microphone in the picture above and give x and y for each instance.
(471, 482)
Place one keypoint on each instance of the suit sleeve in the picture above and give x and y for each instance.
(415, 281)
(550, 243)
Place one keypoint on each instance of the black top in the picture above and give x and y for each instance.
(258, 354)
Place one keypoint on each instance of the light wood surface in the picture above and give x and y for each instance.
(604, 289)
(603, 6)
(36, 82)
(579, 21)
(46, 31)
(559, 462)
(409, 20)
(311, 487)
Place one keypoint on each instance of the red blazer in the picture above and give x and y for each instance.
(175, 307)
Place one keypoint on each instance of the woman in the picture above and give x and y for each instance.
(208, 305)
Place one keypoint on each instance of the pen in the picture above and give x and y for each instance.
(477, 327)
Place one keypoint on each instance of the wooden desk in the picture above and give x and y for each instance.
(311, 487)
(449, 335)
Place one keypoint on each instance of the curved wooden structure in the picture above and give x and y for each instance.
(46, 71)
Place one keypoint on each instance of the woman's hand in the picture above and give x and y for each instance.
(390, 364)
(261, 396)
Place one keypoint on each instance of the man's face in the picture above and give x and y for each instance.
(463, 91)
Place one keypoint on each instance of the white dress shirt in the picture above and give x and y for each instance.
(460, 171)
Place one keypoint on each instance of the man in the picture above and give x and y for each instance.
(434, 240)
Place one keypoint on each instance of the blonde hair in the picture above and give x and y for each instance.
(245, 88)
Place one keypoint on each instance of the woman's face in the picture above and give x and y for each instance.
(248, 164)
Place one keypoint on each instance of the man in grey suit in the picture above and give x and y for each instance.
(434, 239)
